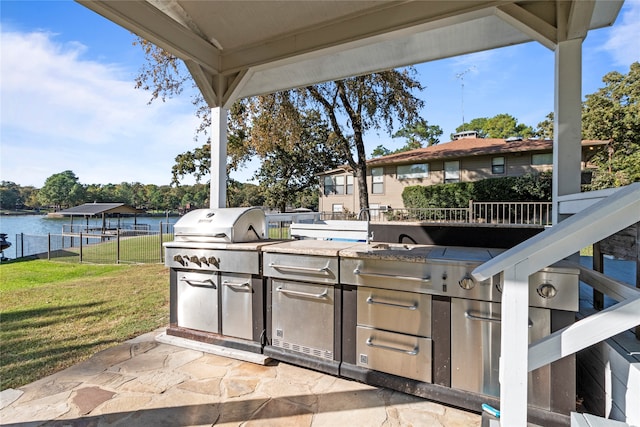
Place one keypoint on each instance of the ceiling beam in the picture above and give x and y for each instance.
(580, 19)
(530, 24)
(204, 81)
(153, 25)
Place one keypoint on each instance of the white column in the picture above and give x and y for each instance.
(218, 189)
(567, 125)
(514, 346)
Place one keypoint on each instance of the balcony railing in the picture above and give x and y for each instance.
(535, 214)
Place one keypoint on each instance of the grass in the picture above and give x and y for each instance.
(139, 249)
(54, 315)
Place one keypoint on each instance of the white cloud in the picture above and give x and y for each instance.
(624, 40)
(61, 112)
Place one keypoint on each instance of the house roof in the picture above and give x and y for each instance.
(466, 147)
(99, 208)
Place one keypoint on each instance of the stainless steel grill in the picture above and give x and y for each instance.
(216, 284)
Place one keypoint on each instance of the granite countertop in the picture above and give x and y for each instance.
(388, 251)
(310, 247)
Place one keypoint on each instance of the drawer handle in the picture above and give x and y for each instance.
(470, 316)
(236, 285)
(207, 283)
(413, 306)
(392, 276)
(411, 352)
(321, 295)
(298, 268)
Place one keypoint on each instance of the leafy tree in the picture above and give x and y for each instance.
(545, 127)
(62, 189)
(613, 113)
(368, 102)
(498, 126)
(291, 166)
(416, 135)
(9, 195)
(477, 124)
(352, 107)
(420, 132)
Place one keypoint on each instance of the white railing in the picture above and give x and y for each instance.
(596, 222)
(536, 214)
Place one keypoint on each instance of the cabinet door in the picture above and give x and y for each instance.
(198, 301)
(237, 308)
(302, 317)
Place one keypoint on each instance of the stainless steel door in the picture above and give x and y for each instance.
(302, 317)
(237, 310)
(475, 349)
(198, 301)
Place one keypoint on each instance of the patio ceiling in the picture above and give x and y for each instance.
(236, 49)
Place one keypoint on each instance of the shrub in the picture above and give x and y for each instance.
(457, 195)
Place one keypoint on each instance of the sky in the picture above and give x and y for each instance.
(68, 101)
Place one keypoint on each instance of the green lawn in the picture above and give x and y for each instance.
(138, 249)
(54, 315)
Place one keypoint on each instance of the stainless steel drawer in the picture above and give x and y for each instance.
(398, 354)
(237, 307)
(308, 268)
(402, 276)
(405, 312)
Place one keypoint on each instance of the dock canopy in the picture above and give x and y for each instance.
(89, 209)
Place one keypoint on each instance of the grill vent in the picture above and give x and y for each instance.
(316, 352)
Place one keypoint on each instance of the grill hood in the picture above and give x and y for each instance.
(230, 225)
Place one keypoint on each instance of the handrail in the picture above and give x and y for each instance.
(588, 226)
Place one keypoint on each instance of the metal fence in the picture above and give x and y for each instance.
(536, 214)
(115, 246)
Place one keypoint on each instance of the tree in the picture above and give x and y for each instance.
(545, 127)
(9, 195)
(62, 189)
(498, 126)
(416, 134)
(613, 113)
(368, 102)
(292, 160)
(352, 106)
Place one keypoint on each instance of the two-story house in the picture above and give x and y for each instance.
(464, 159)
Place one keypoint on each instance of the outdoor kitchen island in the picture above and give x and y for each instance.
(405, 317)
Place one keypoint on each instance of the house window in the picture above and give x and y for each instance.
(542, 159)
(497, 165)
(377, 181)
(339, 187)
(349, 184)
(328, 185)
(413, 171)
(452, 171)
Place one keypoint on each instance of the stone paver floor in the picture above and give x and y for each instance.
(148, 383)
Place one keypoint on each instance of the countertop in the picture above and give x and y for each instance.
(310, 247)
